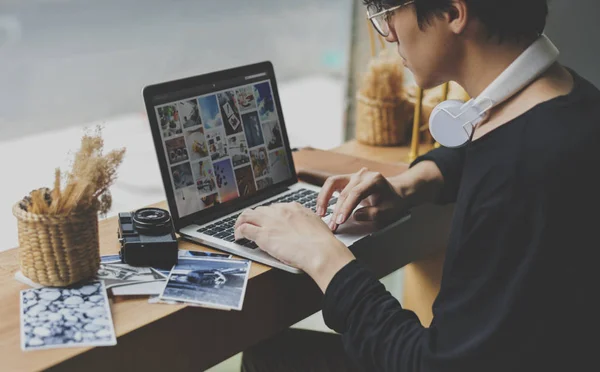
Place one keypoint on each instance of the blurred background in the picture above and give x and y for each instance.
(68, 62)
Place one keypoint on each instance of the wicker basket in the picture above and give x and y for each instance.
(380, 122)
(58, 251)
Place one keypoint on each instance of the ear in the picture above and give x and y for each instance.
(458, 16)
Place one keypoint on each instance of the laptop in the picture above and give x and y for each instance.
(222, 147)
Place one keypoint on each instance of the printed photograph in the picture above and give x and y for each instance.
(225, 180)
(188, 253)
(245, 181)
(168, 118)
(245, 98)
(118, 274)
(157, 300)
(260, 162)
(265, 102)
(209, 112)
(264, 183)
(252, 129)
(217, 146)
(204, 177)
(196, 143)
(125, 280)
(280, 169)
(76, 316)
(229, 113)
(238, 149)
(273, 138)
(182, 175)
(187, 201)
(208, 281)
(110, 258)
(142, 288)
(176, 150)
(189, 113)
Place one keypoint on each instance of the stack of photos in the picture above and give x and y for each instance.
(125, 280)
(76, 316)
(223, 145)
(80, 316)
(211, 282)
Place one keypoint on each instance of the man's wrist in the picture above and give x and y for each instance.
(419, 183)
(327, 265)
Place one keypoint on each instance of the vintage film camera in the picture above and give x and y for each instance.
(147, 238)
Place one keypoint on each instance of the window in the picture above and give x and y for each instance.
(66, 64)
(70, 62)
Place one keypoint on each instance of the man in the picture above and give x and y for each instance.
(518, 281)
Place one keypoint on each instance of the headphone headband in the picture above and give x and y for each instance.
(452, 122)
(533, 62)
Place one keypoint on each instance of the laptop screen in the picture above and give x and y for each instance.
(222, 142)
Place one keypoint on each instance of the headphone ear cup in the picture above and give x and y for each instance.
(444, 125)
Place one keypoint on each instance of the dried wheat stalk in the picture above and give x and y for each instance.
(87, 185)
(384, 78)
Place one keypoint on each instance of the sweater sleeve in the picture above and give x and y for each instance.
(377, 332)
(450, 162)
(379, 335)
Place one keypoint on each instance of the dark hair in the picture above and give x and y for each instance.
(510, 20)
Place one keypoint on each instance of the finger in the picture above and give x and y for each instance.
(350, 197)
(341, 198)
(251, 216)
(355, 180)
(333, 184)
(352, 200)
(247, 231)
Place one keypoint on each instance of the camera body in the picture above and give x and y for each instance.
(147, 238)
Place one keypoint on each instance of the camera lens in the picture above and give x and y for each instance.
(152, 221)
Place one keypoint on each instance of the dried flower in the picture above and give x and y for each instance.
(88, 183)
(384, 78)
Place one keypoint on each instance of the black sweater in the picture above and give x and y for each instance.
(518, 290)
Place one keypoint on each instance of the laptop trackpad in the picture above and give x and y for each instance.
(353, 231)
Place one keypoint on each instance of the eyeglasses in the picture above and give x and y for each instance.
(381, 19)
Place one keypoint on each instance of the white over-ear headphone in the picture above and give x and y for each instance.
(452, 122)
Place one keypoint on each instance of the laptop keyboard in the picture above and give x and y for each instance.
(223, 229)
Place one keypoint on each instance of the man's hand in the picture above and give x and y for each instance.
(382, 203)
(297, 237)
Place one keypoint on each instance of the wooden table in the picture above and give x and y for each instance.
(178, 337)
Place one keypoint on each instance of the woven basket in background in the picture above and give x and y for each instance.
(380, 122)
(58, 251)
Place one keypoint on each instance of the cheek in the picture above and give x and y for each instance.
(428, 62)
